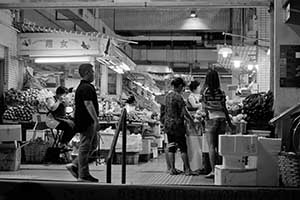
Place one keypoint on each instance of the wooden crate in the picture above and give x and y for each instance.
(10, 156)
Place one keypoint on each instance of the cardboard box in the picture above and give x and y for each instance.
(10, 132)
(234, 162)
(234, 177)
(10, 157)
(267, 161)
(240, 145)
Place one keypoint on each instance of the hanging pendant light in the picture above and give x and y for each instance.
(225, 50)
(236, 59)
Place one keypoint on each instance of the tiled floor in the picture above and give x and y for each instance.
(150, 173)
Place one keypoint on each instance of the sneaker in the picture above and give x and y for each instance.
(88, 179)
(72, 169)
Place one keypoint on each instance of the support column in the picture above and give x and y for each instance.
(104, 80)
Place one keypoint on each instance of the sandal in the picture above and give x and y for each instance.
(190, 173)
(210, 175)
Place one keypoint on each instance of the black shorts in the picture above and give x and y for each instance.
(180, 142)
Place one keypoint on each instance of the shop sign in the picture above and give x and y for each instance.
(58, 44)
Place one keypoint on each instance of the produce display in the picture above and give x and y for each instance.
(19, 113)
(19, 97)
(258, 108)
(21, 104)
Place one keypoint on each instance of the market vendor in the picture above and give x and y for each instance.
(130, 104)
(57, 117)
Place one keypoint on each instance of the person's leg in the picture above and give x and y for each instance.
(181, 141)
(85, 146)
(211, 134)
(68, 133)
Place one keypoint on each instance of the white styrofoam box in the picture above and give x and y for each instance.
(205, 148)
(133, 143)
(238, 145)
(10, 132)
(39, 133)
(259, 133)
(105, 141)
(159, 141)
(235, 177)
(233, 162)
(146, 146)
(267, 161)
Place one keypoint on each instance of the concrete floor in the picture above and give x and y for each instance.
(152, 172)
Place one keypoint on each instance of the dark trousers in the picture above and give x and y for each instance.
(68, 129)
(88, 143)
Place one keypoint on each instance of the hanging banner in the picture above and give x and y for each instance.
(58, 44)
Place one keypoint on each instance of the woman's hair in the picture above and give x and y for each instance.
(193, 85)
(212, 80)
(130, 100)
(61, 90)
(177, 82)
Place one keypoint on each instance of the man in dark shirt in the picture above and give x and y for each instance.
(87, 124)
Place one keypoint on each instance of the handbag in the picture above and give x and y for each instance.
(51, 122)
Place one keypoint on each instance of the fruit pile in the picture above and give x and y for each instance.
(20, 113)
(21, 104)
(17, 97)
(258, 107)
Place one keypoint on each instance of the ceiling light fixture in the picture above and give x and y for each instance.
(225, 50)
(78, 59)
(193, 14)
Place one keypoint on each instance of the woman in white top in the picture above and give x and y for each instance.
(194, 136)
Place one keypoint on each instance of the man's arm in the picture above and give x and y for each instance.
(91, 109)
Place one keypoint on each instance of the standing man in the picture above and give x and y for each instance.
(87, 124)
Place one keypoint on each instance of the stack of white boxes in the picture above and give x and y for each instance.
(235, 149)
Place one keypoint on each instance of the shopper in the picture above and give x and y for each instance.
(130, 104)
(175, 114)
(57, 117)
(161, 100)
(194, 136)
(217, 114)
(87, 124)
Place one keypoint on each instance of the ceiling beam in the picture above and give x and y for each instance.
(55, 4)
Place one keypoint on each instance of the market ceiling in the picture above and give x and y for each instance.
(30, 4)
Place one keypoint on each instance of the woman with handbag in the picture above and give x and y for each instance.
(217, 115)
(194, 136)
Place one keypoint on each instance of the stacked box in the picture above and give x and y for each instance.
(10, 157)
(234, 177)
(235, 149)
(239, 145)
(10, 133)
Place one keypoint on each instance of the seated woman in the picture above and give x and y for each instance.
(57, 118)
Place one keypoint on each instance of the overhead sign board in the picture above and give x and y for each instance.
(58, 44)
